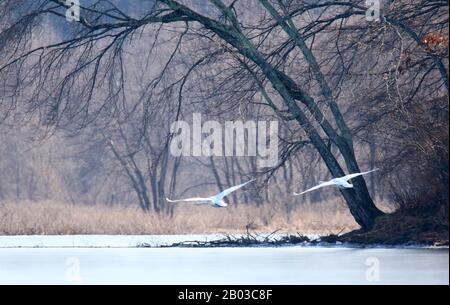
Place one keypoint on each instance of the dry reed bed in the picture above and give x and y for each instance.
(52, 218)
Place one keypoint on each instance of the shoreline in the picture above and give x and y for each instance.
(201, 241)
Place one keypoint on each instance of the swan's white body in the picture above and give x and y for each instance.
(216, 201)
(341, 182)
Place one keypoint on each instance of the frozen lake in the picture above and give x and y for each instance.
(285, 265)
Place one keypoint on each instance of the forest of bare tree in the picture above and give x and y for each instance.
(86, 109)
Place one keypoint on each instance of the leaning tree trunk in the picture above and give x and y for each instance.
(358, 199)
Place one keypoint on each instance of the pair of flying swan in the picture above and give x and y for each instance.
(218, 200)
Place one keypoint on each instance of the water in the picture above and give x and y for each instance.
(287, 265)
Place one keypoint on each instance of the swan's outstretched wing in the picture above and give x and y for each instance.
(227, 192)
(190, 200)
(351, 176)
(323, 184)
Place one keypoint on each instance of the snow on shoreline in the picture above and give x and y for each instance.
(152, 241)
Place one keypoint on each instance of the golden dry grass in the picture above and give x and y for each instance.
(53, 218)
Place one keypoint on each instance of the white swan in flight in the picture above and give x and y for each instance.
(216, 201)
(341, 182)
